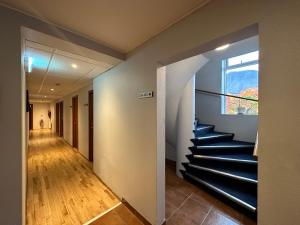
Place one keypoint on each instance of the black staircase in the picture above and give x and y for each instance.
(223, 166)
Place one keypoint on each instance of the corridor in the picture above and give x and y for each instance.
(61, 187)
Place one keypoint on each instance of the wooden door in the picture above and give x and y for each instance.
(75, 121)
(30, 116)
(61, 119)
(57, 118)
(91, 125)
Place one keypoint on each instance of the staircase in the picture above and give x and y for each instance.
(224, 166)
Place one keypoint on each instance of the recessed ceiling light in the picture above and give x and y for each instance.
(51, 89)
(222, 47)
(74, 65)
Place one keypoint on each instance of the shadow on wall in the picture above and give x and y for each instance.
(180, 94)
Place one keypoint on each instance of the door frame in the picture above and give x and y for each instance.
(75, 121)
(91, 124)
(61, 119)
(57, 118)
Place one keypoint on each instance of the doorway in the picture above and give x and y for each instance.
(75, 121)
(61, 119)
(30, 116)
(57, 118)
(91, 125)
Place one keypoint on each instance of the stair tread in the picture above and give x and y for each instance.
(228, 144)
(230, 189)
(230, 171)
(234, 157)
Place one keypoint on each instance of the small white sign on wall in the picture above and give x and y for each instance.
(145, 94)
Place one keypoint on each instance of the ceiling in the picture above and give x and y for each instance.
(122, 25)
(53, 74)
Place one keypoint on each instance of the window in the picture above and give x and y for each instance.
(240, 78)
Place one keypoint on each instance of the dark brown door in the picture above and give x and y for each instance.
(30, 116)
(75, 121)
(61, 119)
(91, 125)
(57, 118)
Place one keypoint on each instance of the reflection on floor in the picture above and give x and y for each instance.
(189, 205)
(62, 189)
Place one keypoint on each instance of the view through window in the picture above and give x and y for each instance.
(240, 78)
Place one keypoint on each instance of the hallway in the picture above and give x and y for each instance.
(61, 188)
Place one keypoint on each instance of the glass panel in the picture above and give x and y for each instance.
(243, 82)
(238, 60)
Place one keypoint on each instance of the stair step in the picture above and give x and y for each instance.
(212, 137)
(203, 129)
(235, 158)
(245, 199)
(223, 147)
(237, 174)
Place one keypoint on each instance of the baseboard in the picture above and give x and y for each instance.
(135, 212)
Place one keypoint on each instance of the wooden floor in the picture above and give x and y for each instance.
(62, 189)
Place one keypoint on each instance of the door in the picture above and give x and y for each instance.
(57, 118)
(30, 116)
(75, 121)
(91, 125)
(61, 119)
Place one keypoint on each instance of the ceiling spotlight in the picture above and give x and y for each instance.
(223, 47)
(51, 89)
(74, 65)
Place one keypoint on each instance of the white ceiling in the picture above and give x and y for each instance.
(52, 69)
(120, 24)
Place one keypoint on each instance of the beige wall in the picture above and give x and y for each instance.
(40, 112)
(126, 129)
(83, 118)
(11, 114)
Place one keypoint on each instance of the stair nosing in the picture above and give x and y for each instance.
(214, 136)
(223, 173)
(202, 128)
(225, 146)
(220, 191)
(226, 159)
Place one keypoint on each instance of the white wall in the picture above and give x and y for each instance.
(208, 107)
(180, 107)
(83, 119)
(40, 112)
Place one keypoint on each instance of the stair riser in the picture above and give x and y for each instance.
(246, 185)
(212, 140)
(212, 151)
(223, 164)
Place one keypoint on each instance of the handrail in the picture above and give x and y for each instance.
(233, 96)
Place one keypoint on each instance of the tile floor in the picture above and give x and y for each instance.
(187, 204)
